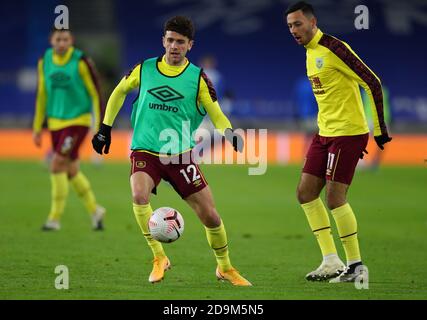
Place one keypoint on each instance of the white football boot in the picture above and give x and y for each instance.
(51, 225)
(329, 268)
(97, 218)
(354, 272)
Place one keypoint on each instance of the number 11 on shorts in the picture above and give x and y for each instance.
(330, 165)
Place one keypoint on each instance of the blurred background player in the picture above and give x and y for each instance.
(172, 92)
(335, 73)
(67, 93)
(209, 65)
(206, 131)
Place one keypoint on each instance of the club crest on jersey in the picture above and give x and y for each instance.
(319, 63)
(140, 164)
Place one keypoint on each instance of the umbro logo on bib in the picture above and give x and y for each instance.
(165, 93)
(60, 80)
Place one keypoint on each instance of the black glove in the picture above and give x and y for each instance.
(235, 139)
(382, 139)
(363, 153)
(101, 139)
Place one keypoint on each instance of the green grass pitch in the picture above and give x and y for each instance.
(270, 241)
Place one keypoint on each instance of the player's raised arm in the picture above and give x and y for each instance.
(40, 108)
(115, 102)
(208, 98)
(349, 63)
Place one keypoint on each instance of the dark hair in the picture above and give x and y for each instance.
(181, 25)
(54, 29)
(306, 8)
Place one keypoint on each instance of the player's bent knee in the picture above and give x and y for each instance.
(72, 172)
(140, 198)
(212, 222)
(59, 164)
(304, 196)
(335, 201)
(210, 217)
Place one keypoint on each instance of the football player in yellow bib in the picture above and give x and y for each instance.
(68, 96)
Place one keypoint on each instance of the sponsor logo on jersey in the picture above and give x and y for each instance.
(60, 80)
(165, 94)
(316, 84)
(163, 107)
